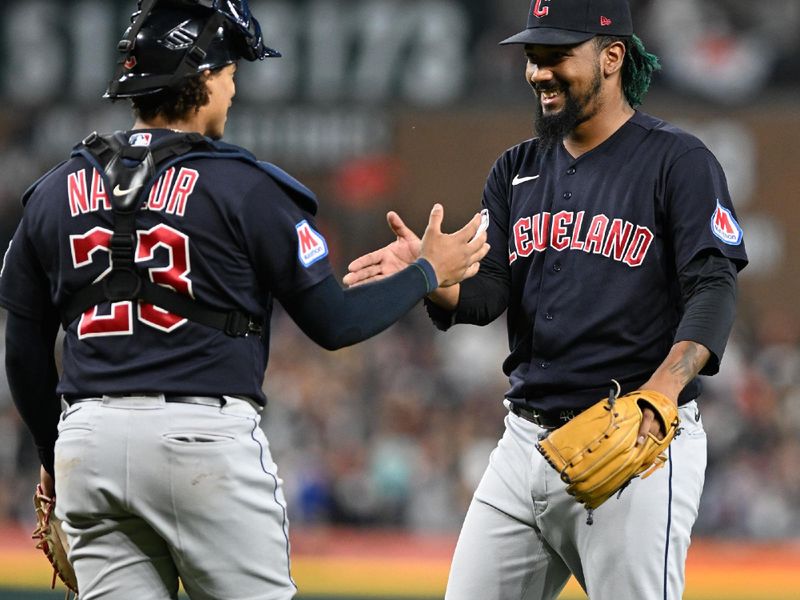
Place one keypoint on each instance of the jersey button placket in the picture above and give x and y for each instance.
(568, 195)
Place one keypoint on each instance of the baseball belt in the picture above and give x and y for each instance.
(203, 400)
(545, 419)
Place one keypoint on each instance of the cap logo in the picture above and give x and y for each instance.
(130, 62)
(605, 21)
(540, 11)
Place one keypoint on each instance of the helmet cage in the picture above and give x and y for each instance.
(238, 17)
(242, 32)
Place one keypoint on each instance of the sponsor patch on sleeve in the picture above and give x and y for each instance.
(725, 227)
(311, 246)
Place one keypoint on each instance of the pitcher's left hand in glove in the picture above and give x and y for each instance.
(52, 540)
(596, 453)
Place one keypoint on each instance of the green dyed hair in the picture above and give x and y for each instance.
(637, 69)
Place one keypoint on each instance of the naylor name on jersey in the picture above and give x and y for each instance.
(616, 239)
(170, 193)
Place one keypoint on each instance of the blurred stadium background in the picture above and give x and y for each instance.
(398, 104)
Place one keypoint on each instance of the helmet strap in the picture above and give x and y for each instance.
(195, 55)
(127, 43)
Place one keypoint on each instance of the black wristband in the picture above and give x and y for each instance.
(427, 270)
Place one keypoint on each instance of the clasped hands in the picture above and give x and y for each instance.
(454, 256)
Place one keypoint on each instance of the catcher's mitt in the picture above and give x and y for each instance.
(595, 453)
(52, 540)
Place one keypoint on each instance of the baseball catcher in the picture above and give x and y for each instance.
(600, 451)
(170, 248)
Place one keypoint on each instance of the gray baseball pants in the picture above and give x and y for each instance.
(152, 491)
(524, 535)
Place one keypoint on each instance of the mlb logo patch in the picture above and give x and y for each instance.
(140, 139)
(725, 227)
(311, 246)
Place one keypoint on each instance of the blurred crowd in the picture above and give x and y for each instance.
(396, 432)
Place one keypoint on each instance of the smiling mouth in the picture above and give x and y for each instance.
(550, 97)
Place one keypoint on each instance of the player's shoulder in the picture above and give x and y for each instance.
(522, 149)
(665, 133)
(242, 160)
(228, 169)
(519, 154)
(51, 181)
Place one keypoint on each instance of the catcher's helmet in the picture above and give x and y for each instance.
(170, 40)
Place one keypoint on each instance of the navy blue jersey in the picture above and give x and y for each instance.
(592, 248)
(220, 230)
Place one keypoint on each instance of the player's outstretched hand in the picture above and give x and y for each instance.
(455, 256)
(387, 260)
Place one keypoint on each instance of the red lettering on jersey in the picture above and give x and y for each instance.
(640, 244)
(559, 236)
(76, 190)
(186, 180)
(576, 243)
(619, 240)
(160, 191)
(98, 193)
(596, 233)
(540, 228)
(83, 246)
(119, 322)
(92, 324)
(174, 276)
(540, 11)
(151, 199)
(619, 234)
(522, 236)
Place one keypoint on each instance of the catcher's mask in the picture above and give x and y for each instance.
(170, 40)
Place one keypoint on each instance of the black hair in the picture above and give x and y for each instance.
(173, 105)
(637, 68)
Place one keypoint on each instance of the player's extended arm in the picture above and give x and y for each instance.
(390, 259)
(394, 257)
(32, 379)
(455, 256)
(335, 318)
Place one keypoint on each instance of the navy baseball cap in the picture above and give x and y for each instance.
(567, 22)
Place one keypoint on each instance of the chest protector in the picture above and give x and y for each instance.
(128, 173)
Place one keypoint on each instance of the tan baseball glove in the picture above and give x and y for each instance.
(52, 540)
(595, 453)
